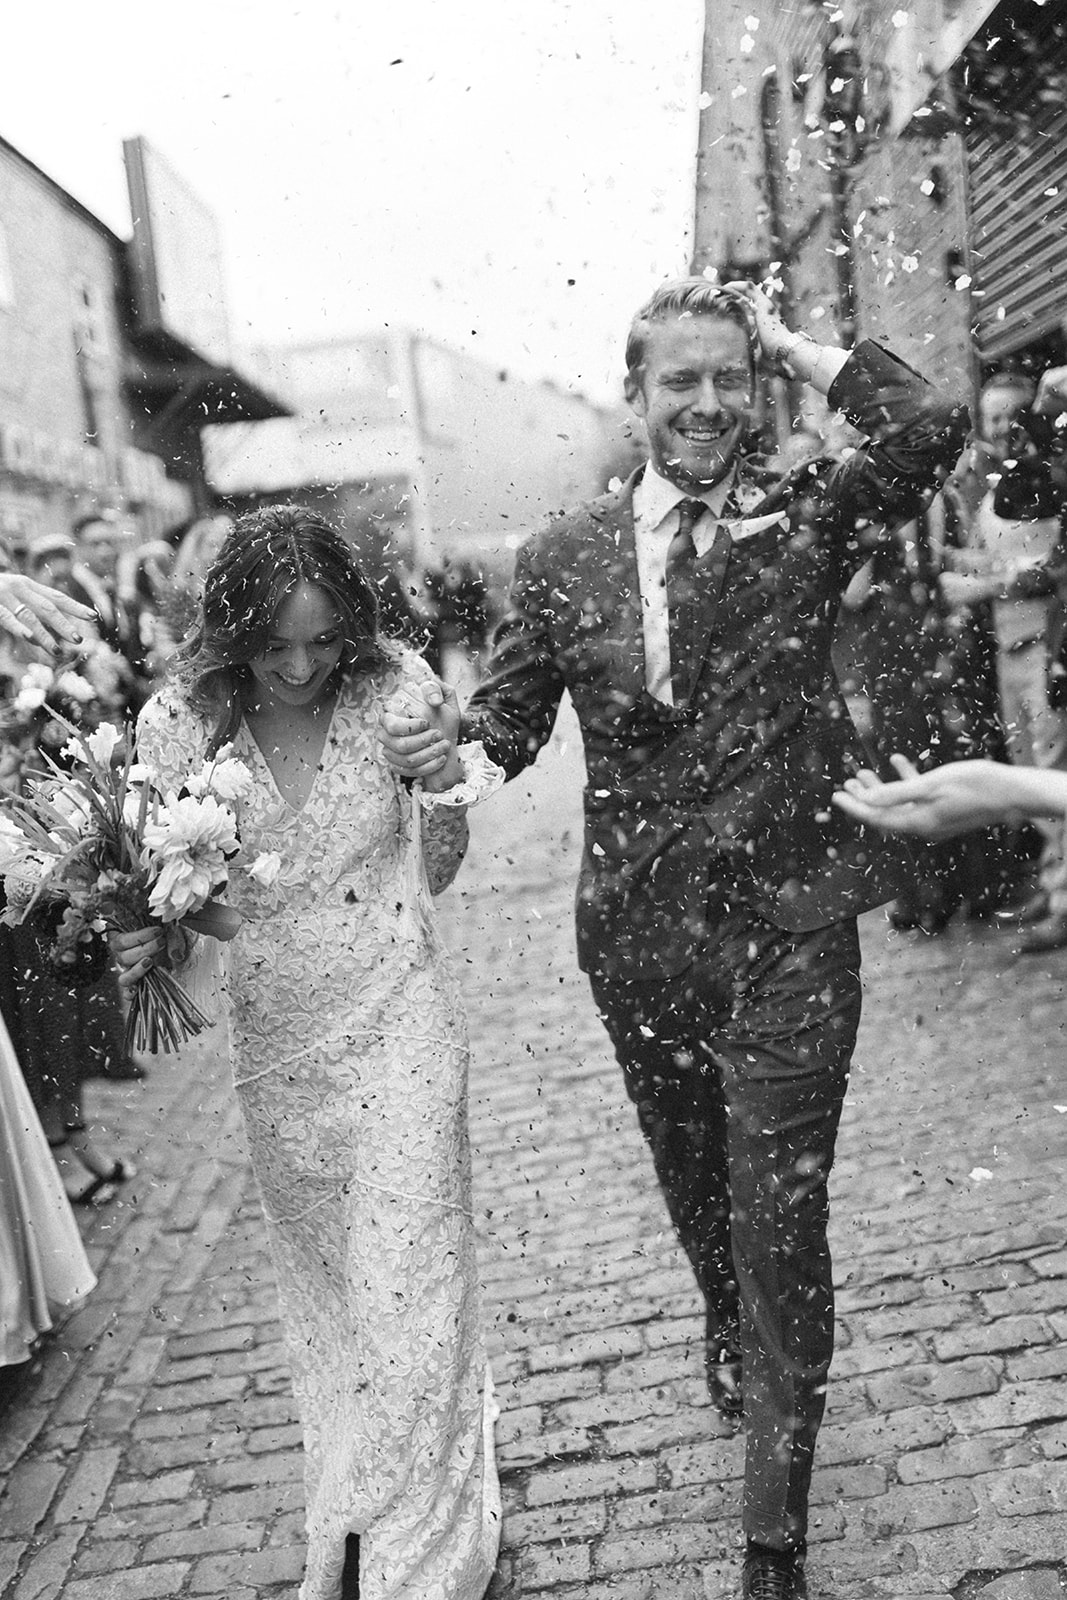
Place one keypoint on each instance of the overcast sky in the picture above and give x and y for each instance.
(447, 164)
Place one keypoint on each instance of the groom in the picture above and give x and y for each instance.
(689, 615)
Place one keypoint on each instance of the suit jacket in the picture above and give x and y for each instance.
(738, 780)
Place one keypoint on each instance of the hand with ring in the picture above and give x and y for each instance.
(136, 952)
(40, 615)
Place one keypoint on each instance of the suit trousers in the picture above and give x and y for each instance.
(738, 1068)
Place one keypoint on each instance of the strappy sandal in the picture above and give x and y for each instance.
(118, 1173)
(100, 1188)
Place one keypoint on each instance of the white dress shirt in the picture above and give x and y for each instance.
(656, 503)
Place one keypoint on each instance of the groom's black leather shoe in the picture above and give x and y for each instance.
(773, 1574)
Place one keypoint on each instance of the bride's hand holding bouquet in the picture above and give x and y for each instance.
(102, 843)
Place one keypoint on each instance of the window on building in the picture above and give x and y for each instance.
(88, 318)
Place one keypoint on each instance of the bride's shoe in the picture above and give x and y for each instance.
(120, 1170)
(81, 1186)
(103, 1179)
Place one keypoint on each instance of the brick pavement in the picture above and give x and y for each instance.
(152, 1450)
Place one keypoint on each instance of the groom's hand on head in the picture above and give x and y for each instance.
(419, 727)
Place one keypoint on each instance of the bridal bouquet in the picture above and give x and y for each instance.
(84, 691)
(101, 842)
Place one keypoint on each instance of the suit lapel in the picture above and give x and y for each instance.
(620, 598)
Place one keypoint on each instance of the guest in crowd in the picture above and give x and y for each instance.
(1014, 558)
(44, 1272)
(64, 1032)
(144, 589)
(98, 537)
(51, 561)
(927, 688)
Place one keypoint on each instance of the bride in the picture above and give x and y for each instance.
(349, 1054)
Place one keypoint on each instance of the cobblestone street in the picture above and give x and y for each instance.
(153, 1451)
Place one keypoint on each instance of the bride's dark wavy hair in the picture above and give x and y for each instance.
(266, 556)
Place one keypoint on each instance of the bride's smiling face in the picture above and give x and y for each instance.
(305, 644)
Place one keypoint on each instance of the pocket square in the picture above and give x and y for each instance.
(752, 525)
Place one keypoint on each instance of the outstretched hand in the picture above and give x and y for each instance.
(936, 804)
(419, 728)
(42, 616)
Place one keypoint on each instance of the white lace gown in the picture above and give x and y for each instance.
(350, 1062)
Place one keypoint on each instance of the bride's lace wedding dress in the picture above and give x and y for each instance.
(350, 1061)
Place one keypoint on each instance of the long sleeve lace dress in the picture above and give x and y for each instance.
(350, 1056)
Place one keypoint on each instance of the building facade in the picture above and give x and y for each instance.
(901, 172)
(406, 439)
(100, 408)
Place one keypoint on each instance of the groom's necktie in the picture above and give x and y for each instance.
(681, 597)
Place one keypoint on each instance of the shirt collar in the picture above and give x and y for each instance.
(657, 496)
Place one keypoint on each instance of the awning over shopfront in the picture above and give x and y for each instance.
(179, 397)
(178, 374)
(218, 394)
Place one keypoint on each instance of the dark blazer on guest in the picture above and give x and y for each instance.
(736, 781)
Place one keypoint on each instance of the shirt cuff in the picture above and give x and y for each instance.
(481, 778)
(827, 365)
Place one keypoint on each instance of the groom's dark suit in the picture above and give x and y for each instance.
(719, 887)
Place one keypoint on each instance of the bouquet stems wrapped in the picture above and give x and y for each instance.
(161, 1014)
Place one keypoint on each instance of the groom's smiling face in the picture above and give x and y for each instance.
(694, 392)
